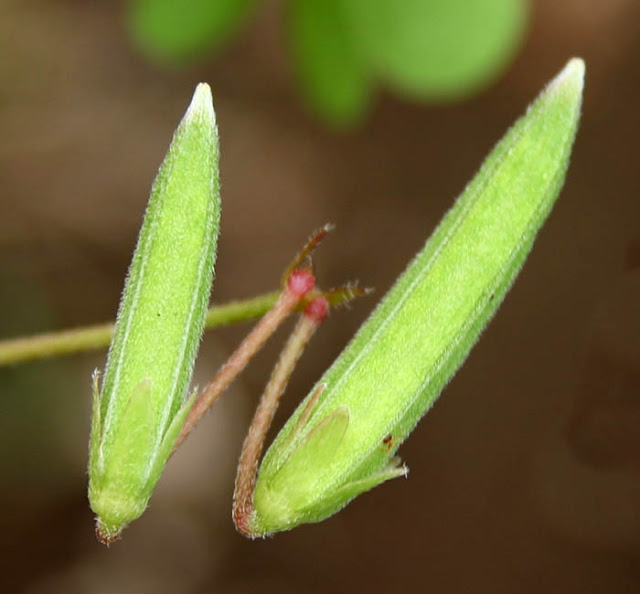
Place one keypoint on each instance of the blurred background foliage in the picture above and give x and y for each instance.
(524, 477)
(428, 50)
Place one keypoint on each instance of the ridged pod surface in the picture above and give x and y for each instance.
(342, 439)
(141, 405)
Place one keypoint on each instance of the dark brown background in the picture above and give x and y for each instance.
(526, 475)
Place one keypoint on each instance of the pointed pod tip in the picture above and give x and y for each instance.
(577, 65)
(201, 104)
(574, 72)
(570, 78)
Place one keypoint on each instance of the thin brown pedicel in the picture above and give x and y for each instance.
(299, 284)
(310, 320)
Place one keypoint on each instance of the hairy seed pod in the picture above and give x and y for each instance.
(342, 439)
(142, 404)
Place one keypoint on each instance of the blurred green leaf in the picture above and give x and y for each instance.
(170, 31)
(438, 49)
(434, 50)
(333, 76)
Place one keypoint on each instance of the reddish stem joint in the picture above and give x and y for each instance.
(299, 282)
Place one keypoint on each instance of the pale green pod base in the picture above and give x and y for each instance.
(141, 407)
(406, 352)
(115, 508)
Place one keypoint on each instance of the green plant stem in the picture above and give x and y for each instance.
(98, 336)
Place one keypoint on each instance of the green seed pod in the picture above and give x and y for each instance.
(141, 407)
(342, 439)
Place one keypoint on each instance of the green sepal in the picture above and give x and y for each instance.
(334, 502)
(319, 447)
(169, 439)
(95, 449)
(117, 494)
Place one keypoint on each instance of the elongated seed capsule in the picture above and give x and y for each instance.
(342, 439)
(141, 406)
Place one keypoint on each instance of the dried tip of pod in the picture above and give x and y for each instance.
(106, 535)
